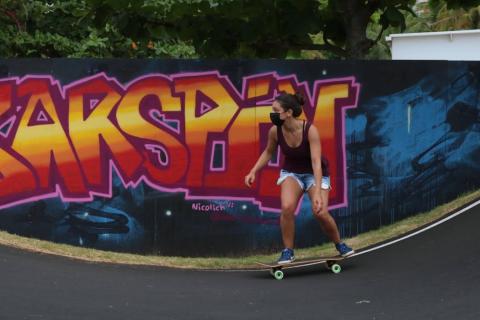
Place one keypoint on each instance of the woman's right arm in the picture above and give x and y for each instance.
(264, 157)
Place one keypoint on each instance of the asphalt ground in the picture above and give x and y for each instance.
(432, 275)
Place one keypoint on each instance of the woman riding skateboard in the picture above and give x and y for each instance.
(304, 170)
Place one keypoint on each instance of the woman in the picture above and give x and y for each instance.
(304, 170)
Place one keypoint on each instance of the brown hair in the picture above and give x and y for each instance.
(289, 101)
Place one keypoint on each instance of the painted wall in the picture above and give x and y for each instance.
(150, 155)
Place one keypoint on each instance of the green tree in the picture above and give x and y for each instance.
(418, 22)
(454, 15)
(455, 4)
(68, 28)
(260, 28)
(211, 28)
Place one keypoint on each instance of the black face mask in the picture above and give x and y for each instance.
(275, 118)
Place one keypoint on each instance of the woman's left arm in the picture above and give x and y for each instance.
(316, 156)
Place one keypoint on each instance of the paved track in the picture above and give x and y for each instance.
(433, 275)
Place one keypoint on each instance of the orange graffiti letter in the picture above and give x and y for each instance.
(94, 135)
(41, 139)
(133, 123)
(199, 125)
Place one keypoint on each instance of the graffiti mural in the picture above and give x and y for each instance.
(150, 156)
(191, 133)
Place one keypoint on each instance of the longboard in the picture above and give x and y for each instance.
(332, 263)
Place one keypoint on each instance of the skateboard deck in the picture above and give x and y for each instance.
(276, 270)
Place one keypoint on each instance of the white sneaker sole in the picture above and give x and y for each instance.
(348, 254)
(286, 262)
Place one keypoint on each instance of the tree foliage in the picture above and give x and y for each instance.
(454, 15)
(263, 28)
(71, 28)
(203, 28)
(455, 4)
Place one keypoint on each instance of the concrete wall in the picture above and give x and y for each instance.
(451, 45)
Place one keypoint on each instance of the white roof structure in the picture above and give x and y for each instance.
(461, 45)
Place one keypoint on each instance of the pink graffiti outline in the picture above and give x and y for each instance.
(157, 149)
(275, 163)
(94, 103)
(10, 123)
(246, 82)
(162, 120)
(212, 156)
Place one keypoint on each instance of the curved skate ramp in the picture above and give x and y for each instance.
(429, 274)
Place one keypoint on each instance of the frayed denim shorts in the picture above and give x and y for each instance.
(305, 180)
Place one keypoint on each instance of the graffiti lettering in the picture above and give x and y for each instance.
(207, 207)
(187, 132)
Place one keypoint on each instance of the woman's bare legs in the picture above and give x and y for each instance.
(290, 194)
(327, 223)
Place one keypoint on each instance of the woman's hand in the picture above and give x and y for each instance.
(317, 204)
(250, 179)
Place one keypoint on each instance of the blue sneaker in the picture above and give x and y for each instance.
(344, 250)
(287, 256)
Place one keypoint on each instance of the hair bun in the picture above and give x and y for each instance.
(299, 97)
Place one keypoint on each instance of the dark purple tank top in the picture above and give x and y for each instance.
(298, 160)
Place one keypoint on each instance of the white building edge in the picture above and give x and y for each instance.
(461, 45)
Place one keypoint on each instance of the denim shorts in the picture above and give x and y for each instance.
(305, 180)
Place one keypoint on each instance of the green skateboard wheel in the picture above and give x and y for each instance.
(278, 274)
(336, 268)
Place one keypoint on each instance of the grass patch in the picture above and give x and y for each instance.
(363, 240)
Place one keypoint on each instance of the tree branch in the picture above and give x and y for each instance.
(333, 48)
(328, 47)
(379, 35)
